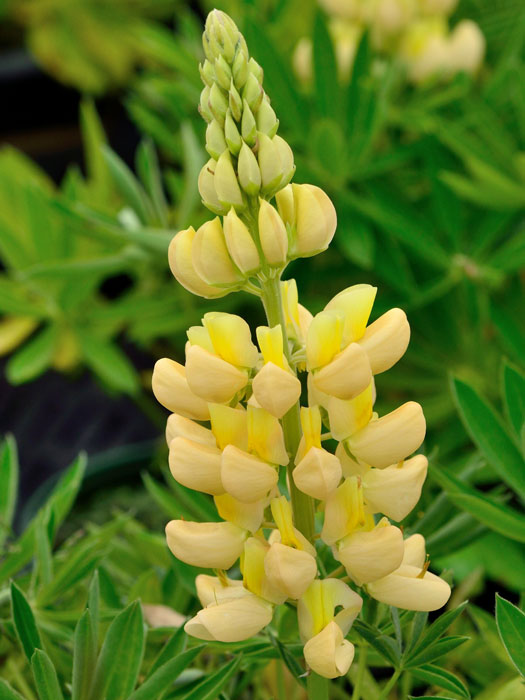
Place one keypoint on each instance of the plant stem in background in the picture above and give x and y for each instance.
(303, 505)
(318, 687)
(391, 683)
(356, 695)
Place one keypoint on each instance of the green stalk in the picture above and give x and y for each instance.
(356, 695)
(391, 683)
(302, 505)
(318, 687)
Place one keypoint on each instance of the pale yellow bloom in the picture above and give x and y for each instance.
(371, 554)
(211, 377)
(231, 338)
(210, 256)
(289, 570)
(355, 304)
(207, 545)
(349, 417)
(317, 472)
(328, 653)
(181, 265)
(240, 244)
(345, 511)
(415, 552)
(272, 234)
(179, 426)
(314, 219)
(412, 589)
(212, 589)
(247, 516)
(265, 436)
(253, 563)
(196, 466)
(231, 620)
(395, 491)
(171, 389)
(288, 534)
(386, 340)
(246, 477)
(229, 425)
(467, 47)
(347, 375)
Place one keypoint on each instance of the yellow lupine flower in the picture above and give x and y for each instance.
(181, 265)
(179, 426)
(318, 472)
(210, 256)
(229, 426)
(231, 338)
(275, 387)
(171, 389)
(345, 511)
(231, 620)
(386, 340)
(265, 436)
(355, 305)
(246, 477)
(211, 377)
(349, 417)
(196, 466)
(289, 570)
(247, 516)
(208, 545)
(240, 244)
(253, 563)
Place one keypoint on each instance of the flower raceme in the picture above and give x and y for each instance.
(236, 415)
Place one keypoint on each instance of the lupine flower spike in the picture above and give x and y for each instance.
(236, 418)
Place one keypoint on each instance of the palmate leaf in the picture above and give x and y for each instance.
(511, 627)
(165, 675)
(45, 676)
(210, 687)
(434, 675)
(433, 633)
(490, 436)
(128, 186)
(9, 473)
(175, 645)
(384, 645)
(440, 648)
(24, 621)
(84, 657)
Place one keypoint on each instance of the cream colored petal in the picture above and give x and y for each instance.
(181, 265)
(231, 338)
(386, 340)
(171, 389)
(315, 220)
(162, 616)
(231, 621)
(404, 589)
(210, 256)
(289, 570)
(212, 589)
(276, 389)
(229, 425)
(272, 234)
(368, 556)
(246, 477)
(212, 378)
(395, 491)
(247, 516)
(347, 375)
(348, 417)
(328, 653)
(208, 545)
(415, 551)
(316, 397)
(349, 466)
(324, 338)
(355, 303)
(315, 609)
(196, 466)
(240, 244)
(391, 438)
(179, 426)
(318, 473)
(265, 436)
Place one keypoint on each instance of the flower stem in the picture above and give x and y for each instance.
(391, 683)
(318, 687)
(302, 505)
(363, 651)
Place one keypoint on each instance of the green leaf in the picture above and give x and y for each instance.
(33, 358)
(436, 629)
(434, 675)
(440, 648)
(165, 675)
(210, 687)
(289, 660)
(93, 603)
(45, 676)
(514, 394)
(7, 693)
(24, 621)
(380, 642)
(44, 557)
(9, 474)
(325, 70)
(121, 655)
(490, 436)
(429, 697)
(94, 139)
(175, 645)
(109, 362)
(511, 627)
(149, 172)
(128, 186)
(498, 517)
(84, 657)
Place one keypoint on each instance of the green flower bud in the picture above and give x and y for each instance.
(220, 37)
(248, 125)
(269, 164)
(253, 92)
(256, 70)
(231, 132)
(207, 73)
(218, 103)
(240, 69)
(223, 72)
(249, 173)
(206, 185)
(286, 158)
(235, 102)
(203, 105)
(226, 183)
(266, 119)
(215, 143)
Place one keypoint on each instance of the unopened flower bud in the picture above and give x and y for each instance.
(276, 389)
(286, 158)
(223, 72)
(179, 426)
(248, 169)
(231, 620)
(226, 183)
(196, 466)
(220, 37)
(218, 103)
(269, 163)
(373, 554)
(210, 255)
(240, 244)
(390, 439)
(246, 477)
(255, 69)
(181, 265)
(272, 234)
(467, 47)
(386, 340)
(289, 570)
(171, 389)
(411, 588)
(235, 102)
(211, 378)
(248, 125)
(267, 122)
(315, 220)
(394, 491)
(207, 191)
(204, 106)
(215, 142)
(231, 134)
(328, 653)
(252, 92)
(285, 205)
(207, 73)
(240, 70)
(347, 375)
(207, 545)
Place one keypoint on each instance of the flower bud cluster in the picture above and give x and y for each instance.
(247, 157)
(416, 31)
(226, 439)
